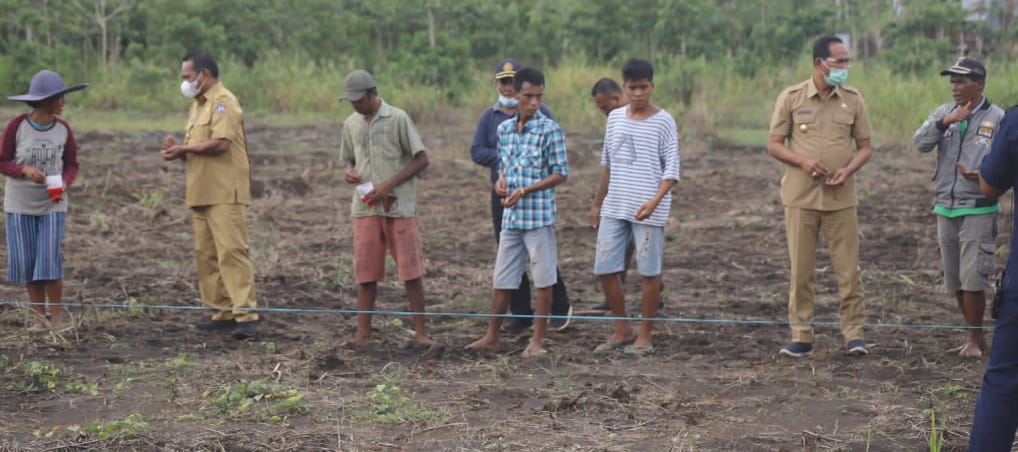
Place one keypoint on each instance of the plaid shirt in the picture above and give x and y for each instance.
(527, 158)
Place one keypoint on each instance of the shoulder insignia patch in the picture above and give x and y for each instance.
(985, 129)
(220, 108)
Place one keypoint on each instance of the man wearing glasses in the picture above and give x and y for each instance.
(811, 132)
(484, 152)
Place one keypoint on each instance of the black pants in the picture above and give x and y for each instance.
(519, 299)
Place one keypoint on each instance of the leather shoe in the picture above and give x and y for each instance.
(245, 330)
(211, 325)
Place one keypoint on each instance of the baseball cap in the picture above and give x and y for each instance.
(357, 84)
(966, 66)
(506, 68)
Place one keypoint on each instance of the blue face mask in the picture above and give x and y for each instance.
(507, 102)
(837, 76)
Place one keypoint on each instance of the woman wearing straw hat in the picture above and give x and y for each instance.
(39, 156)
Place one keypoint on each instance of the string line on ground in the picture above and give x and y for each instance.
(716, 321)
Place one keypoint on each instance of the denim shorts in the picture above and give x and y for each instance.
(33, 247)
(516, 247)
(613, 236)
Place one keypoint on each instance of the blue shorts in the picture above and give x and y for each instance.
(613, 237)
(516, 247)
(33, 247)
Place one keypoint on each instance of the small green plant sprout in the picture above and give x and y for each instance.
(133, 426)
(936, 438)
(150, 200)
(390, 406)
(264, 399)
(181, 360)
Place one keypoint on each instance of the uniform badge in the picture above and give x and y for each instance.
(985, 130)
(220, 108)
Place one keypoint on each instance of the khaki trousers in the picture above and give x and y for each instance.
(225, 274)
(841, 229)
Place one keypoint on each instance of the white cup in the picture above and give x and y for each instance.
(56, 181)
(364, 189)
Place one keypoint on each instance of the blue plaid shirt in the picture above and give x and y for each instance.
(527, 158)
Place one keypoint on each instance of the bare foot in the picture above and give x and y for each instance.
(484, 344)
(38, 325)
(424, 341)
(57, 323)
(356, 343)
(534, 350)
(971, 350)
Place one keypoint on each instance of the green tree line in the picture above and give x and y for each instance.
(720, 62)
(433, 41)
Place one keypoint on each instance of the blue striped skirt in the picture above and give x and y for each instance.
(33, 247)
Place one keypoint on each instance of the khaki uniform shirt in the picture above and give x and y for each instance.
(379, 151)
(824, 130)
(223, 178)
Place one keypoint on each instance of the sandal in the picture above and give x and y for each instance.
(612, 346)
(638, 350)
(528, 353)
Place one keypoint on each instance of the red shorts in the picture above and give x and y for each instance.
(371, 236)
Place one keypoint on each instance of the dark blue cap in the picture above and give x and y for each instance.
(507, 68)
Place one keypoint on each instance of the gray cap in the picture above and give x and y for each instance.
(357, 84)
(46, 84)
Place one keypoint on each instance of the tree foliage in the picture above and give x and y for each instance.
(436, 42)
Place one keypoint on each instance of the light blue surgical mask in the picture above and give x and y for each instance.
(507, 102)
(837, 76)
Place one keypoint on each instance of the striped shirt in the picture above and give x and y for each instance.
(527, 158)
(640, 154)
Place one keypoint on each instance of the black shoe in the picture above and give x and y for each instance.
(520, 325)
(212, 325)
(797, 349)
(560, 323)
(245, 330)
(601, 307)
(857, 347)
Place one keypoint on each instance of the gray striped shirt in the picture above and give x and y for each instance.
(640, 154)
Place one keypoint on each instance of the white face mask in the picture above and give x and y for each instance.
(190, 88)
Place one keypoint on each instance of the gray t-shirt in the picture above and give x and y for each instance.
(43, 149)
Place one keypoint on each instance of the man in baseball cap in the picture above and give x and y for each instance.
(967, 66)
(962, 131)
(384, 206)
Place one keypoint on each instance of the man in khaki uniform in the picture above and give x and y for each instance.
(218, 192)
(818, 119)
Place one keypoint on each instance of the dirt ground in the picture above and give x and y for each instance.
(143, 379)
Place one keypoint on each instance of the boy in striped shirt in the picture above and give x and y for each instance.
(639, 167)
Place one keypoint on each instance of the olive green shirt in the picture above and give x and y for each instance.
(223, 178)
(824, 130)
(379, 151)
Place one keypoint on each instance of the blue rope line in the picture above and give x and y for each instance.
(487, 315)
